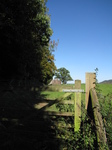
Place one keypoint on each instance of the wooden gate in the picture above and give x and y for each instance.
(32, 122)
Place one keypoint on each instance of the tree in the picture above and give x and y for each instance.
(63, 74)
(48, 67)
(24, 40)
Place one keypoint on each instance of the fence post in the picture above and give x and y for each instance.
(77, 106)
(90, 83)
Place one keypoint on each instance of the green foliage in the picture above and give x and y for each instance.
(66, 107)
(84, 139)
(105, 101)
(106, 111)
(24, 40)
(98, 90)
(63, 74)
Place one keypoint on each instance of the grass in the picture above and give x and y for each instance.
(105, 88)
(52, 95)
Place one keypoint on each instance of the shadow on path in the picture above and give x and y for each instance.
(21, 125)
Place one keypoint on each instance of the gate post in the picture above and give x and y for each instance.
(77, 106)
(90, 83)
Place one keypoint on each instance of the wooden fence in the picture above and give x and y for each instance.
(92, 106)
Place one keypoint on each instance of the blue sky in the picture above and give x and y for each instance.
(84, 30)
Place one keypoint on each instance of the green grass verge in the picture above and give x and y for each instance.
(105, 88)
(51, 95)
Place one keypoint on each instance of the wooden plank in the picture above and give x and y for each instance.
(54, 113)
(67, 102)
(77, 116)
(52, 102)
(40, 105)
(77, 111)
(73, 90)
(43, 104)
(90, 83)
(66, 95)
(101, 135)
(44, 108)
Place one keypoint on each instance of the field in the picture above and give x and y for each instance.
(105, 88)
(55, 91)
(22, 123)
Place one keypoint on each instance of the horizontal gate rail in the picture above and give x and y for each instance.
(54, 113)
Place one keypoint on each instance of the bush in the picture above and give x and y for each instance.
(106, 111)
